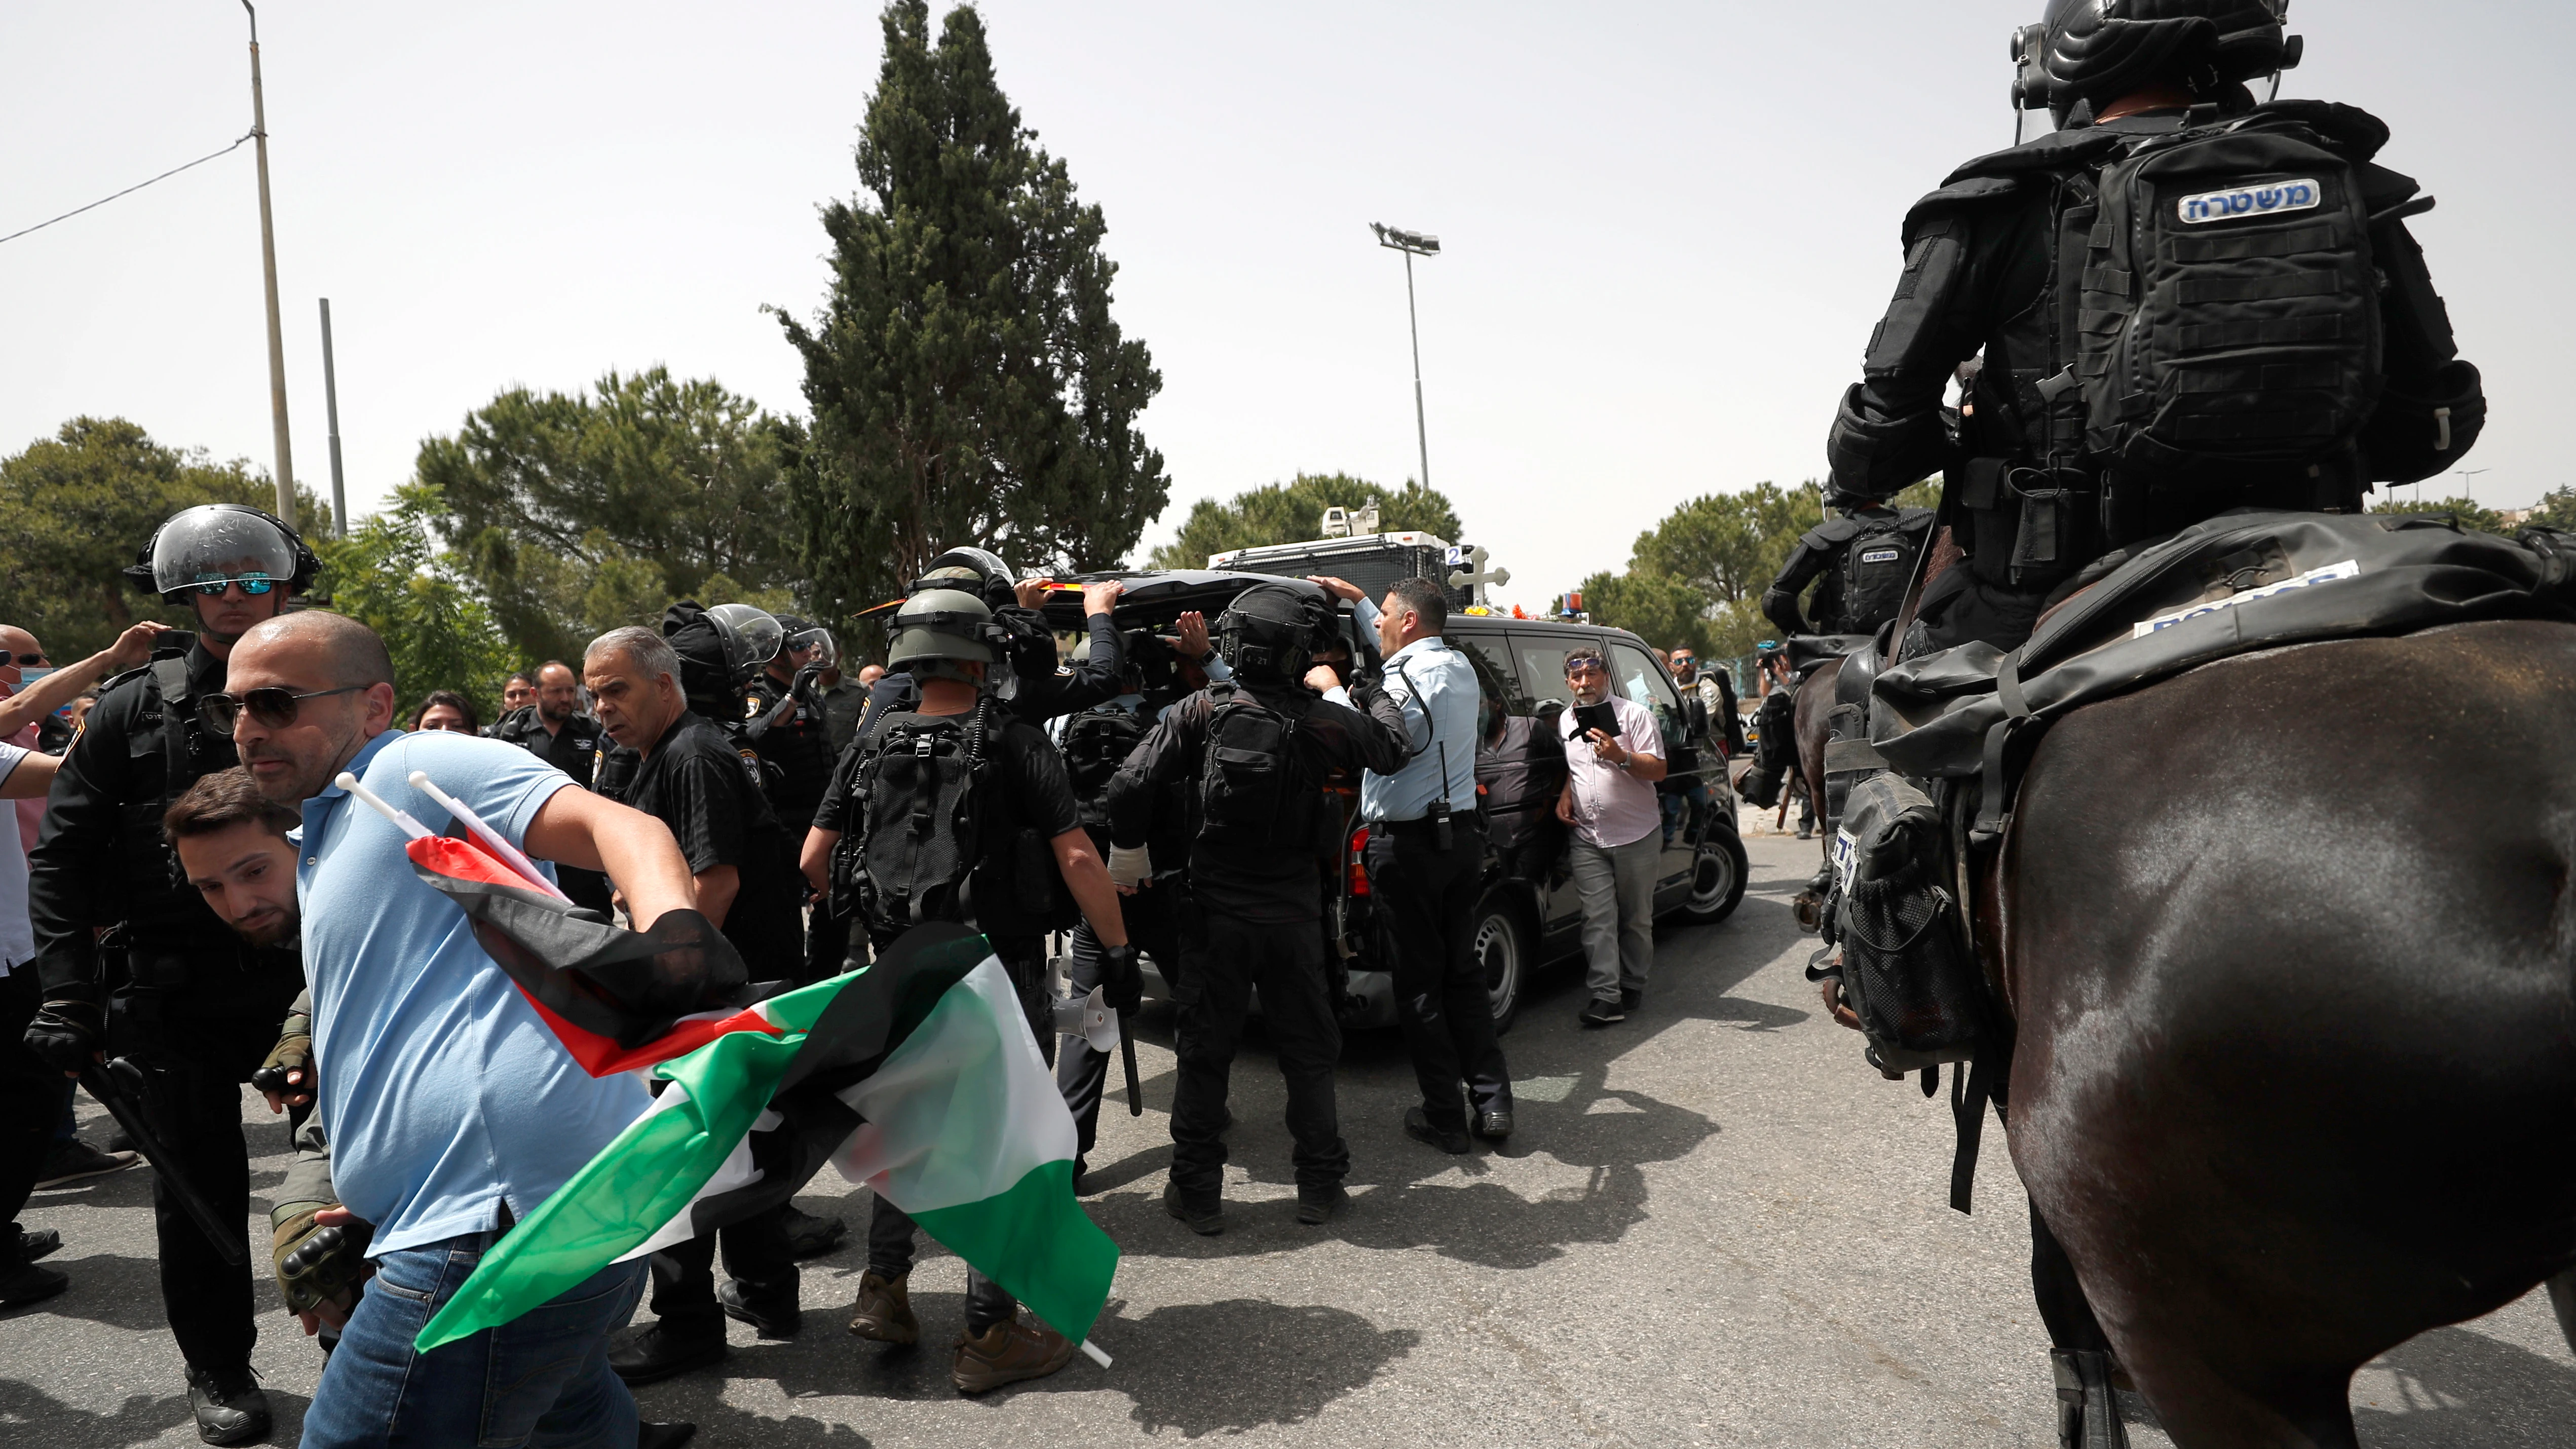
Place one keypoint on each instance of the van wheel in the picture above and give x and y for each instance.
(1717, 879)
(1502, 951)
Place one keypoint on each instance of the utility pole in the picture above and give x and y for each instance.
(331, 411)
(2468, 489)
(1412, 244)
(268, 267)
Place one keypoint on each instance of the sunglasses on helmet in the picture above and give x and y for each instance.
(251, 584)
(273, 705)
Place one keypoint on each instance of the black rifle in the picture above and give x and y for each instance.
(1127, 1054)
(121, 1087)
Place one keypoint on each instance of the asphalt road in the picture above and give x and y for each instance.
(1714, 1227)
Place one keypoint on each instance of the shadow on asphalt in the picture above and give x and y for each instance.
(2455, 1382)
(138, 1420)
(1308, 1356)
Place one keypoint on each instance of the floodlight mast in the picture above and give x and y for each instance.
(1413, 244)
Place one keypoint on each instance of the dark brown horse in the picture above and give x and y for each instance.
(1814, 701)
(2290, 945)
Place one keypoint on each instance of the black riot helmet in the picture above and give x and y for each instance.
(2097, 51)
(976, 571)
(751, 637)
(1268, 632)
(803, 634)
(214, 544)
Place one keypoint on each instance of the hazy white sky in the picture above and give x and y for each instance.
(1669, 228)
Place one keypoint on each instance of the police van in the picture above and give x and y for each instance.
(1528, 917)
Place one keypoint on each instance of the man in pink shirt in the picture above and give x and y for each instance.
(1610, 801)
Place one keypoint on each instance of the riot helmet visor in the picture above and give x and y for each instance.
(751, 635)
(209, 547)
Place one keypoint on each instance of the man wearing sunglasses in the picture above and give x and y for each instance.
(452, 1112)
(193, 1004)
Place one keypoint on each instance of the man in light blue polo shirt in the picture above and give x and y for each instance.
(1425, 886)
(452, 1109)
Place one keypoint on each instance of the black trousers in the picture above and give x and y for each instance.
(31, 1100)
(1226, 959)
(890, 1228)
(1425, 897)
(200, 1043)
(756, 1255)
(1152, 916)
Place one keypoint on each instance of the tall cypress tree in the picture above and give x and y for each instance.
(968, 384)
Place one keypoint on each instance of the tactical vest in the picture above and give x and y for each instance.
(1255, 793)
(170, 745)
(1096, 742)
(932, 837)
(2209, 328)
(1875, 567)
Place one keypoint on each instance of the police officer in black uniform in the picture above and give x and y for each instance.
(1871, 544)
(2007, 257)
(783, 722)
(694, 780)
(1032, 686)
(1261, 841)
(556, 730)
(1095, 742)
(167, 984)
(2121, 394)
(1029, 845)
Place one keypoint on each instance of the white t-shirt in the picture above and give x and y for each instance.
(17, 935)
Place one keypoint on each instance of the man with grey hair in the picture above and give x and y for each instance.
(693, 780)
(452, 1110)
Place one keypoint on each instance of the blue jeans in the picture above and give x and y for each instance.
(542, 1379)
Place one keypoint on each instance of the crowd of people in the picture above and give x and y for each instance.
(196, 895)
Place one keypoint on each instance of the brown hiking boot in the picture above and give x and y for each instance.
(1007, 1353)
(885, 1309)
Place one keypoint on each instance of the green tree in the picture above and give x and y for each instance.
(74, 509)
(2470, 515)
(967, 382)
(576, 514)
(2556, 509)
(1292, 511)
(389, 575)
(1697, 577)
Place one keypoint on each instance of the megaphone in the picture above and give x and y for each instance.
(1088, 1018)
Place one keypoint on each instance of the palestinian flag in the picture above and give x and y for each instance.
(617, 999)
(917, 1076)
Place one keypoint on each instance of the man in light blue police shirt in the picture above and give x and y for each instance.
(1425, 877)
(452, 1109)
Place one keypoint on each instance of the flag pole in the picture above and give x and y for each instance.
(401, 821)
(485, 836)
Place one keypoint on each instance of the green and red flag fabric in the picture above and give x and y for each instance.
(917, 1076)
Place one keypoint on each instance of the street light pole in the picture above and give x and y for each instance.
(268, 268)
(1412, 244)
(331, 413)
(2468, 489)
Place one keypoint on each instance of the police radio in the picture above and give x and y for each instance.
(1439, 811)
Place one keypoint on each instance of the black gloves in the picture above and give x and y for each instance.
(1122, 981)
(65, 1035)
(318, 1265)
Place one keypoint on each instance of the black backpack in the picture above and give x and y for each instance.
(1253, 791)
(915, 797)
(2229, 308)
(1878, 566)
(1096, 742)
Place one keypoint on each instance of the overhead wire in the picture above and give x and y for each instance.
(129, 191)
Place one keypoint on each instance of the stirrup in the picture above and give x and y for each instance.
(2088, 1417)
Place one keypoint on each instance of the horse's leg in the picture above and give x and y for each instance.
(2088, 1417)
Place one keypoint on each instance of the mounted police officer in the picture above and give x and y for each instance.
(1255, 752)
(556, 729)
(954, 809)
(1860, 564)
(168, 984)
(2187, 302)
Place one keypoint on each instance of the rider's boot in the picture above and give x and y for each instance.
(2087, 1415)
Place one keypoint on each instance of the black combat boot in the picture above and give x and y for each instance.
(229, 1404)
